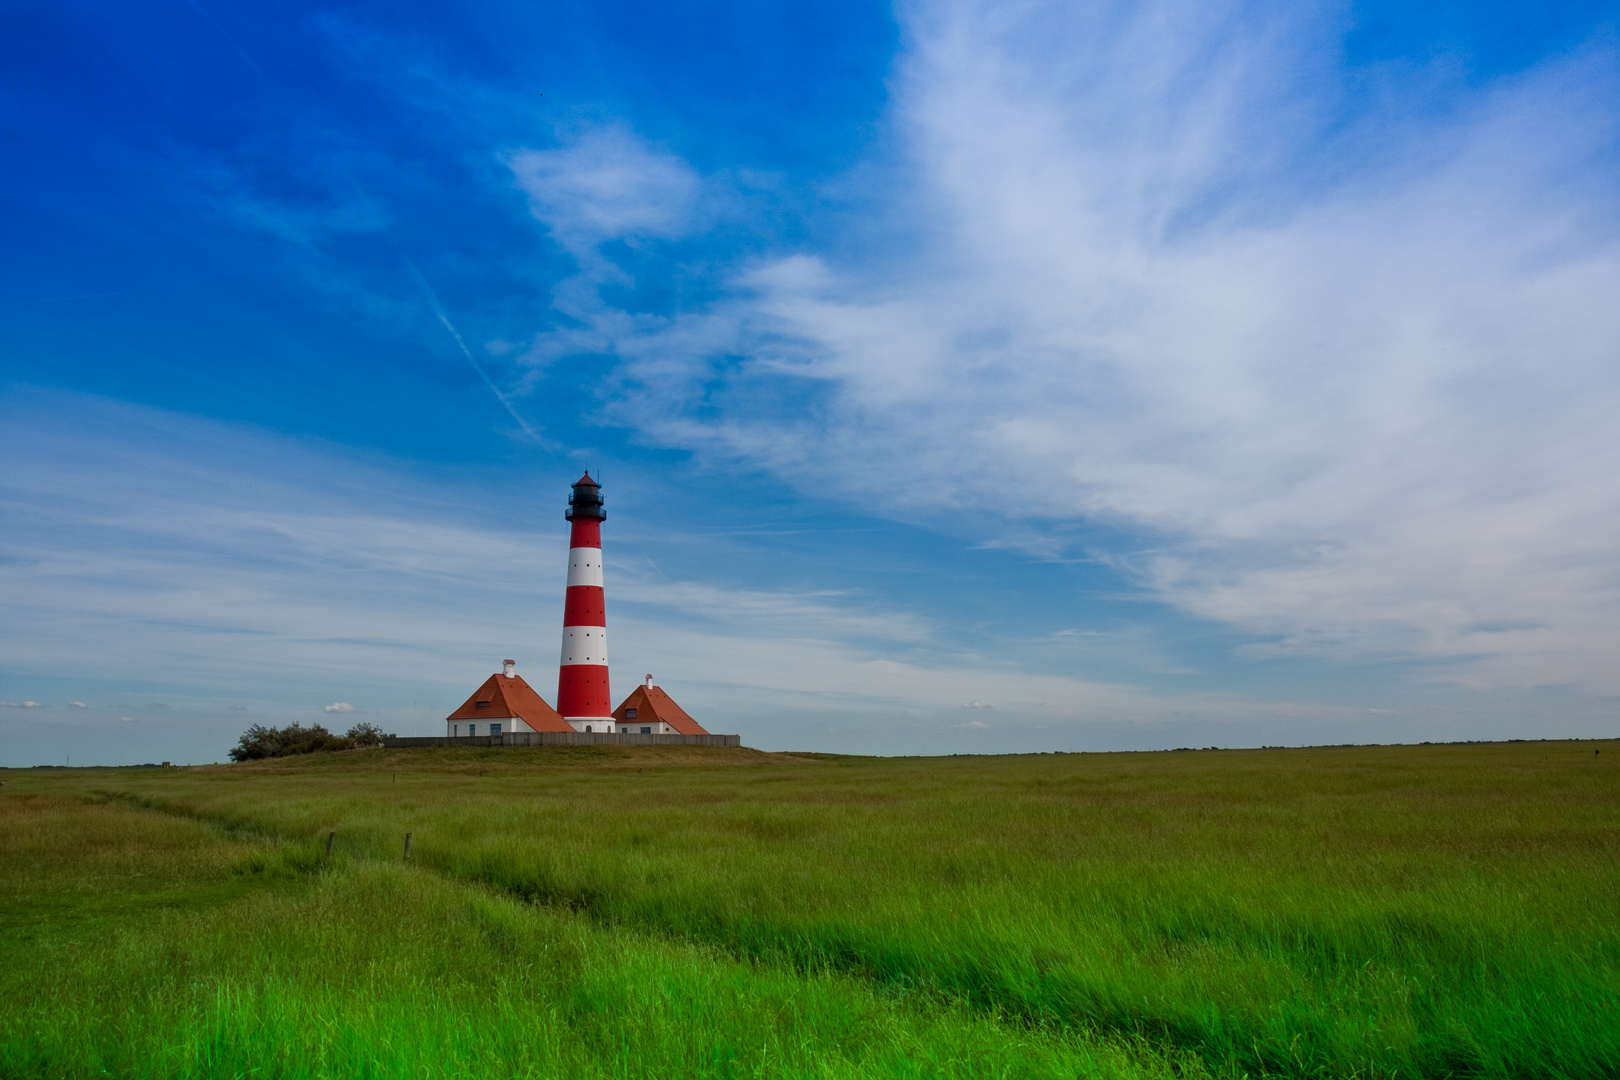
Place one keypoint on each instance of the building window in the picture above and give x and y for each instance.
(629, 714)
(494, 729)
(646, 731)
(587, 727)
(455, 729)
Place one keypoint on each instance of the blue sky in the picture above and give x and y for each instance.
(962, 377)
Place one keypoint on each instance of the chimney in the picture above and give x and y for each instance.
(510, 668)
(649, 680)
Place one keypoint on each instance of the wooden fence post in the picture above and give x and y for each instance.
(407, 847)
(329, 838)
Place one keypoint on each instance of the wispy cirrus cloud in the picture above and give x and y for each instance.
(1333, 366)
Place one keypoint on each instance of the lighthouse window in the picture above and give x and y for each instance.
(587, 727)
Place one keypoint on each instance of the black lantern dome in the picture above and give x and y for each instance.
(585, 504)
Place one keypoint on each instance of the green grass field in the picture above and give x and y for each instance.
(1414, 912)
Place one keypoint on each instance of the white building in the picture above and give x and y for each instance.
(503, 705)
(650, 711)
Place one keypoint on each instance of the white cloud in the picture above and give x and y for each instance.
(1345, 371)
(340, 707)
(605, 183)
(78, 705)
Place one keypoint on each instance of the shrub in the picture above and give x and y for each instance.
(259, 741)
(365, 734)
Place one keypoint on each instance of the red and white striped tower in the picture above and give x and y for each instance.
(582, 681)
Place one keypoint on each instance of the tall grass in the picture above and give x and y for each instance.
(374, 969)
(1424, 911)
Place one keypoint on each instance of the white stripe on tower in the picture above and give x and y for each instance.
(585, 566)
(584, 645)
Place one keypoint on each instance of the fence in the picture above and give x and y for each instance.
(565, 738)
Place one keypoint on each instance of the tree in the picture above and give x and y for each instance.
(367, 734)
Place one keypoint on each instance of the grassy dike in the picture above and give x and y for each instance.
(1387, 911)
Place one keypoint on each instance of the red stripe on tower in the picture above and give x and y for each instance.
(582, 679)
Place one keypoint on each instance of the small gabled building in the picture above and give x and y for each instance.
(650, 711)
(503, 705)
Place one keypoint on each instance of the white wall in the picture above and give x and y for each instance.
(633, 727)
(462, 728)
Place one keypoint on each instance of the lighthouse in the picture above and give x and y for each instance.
(505, 710)
(582, 680)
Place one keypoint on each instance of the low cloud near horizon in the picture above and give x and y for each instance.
(276, 589)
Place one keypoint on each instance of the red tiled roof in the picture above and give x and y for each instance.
(511, 697)
(651, 703)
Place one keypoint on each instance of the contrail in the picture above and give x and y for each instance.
(438, 310)
(226, 34)
(432, 297)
